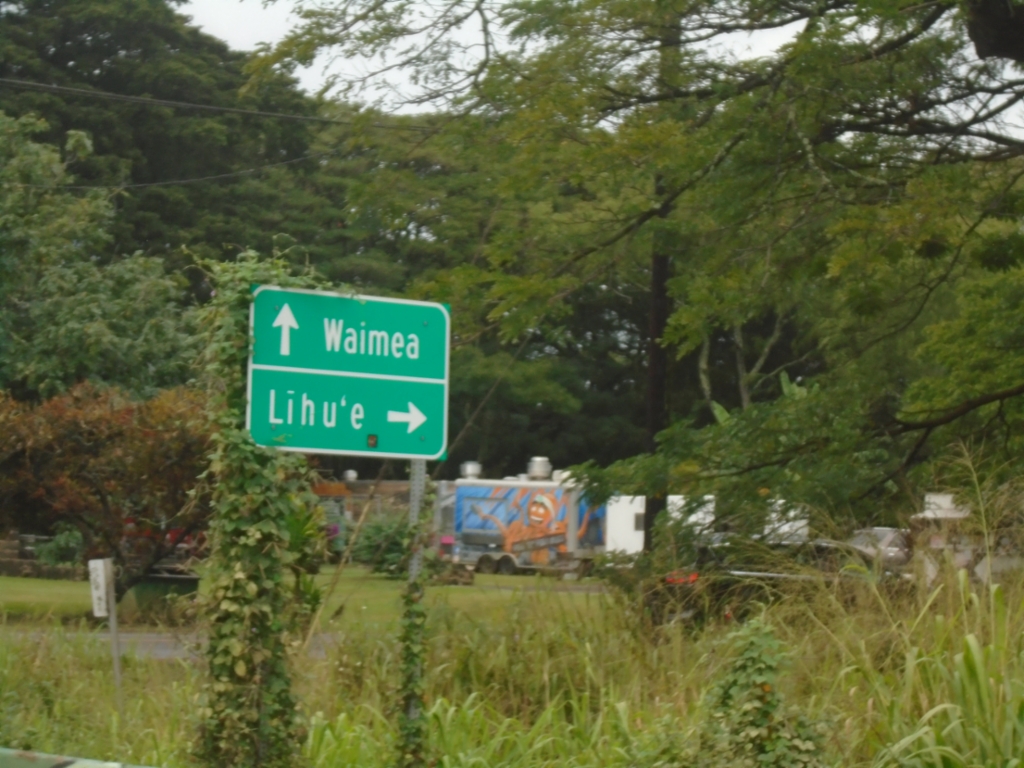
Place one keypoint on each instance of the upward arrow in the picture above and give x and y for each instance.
(286, 322)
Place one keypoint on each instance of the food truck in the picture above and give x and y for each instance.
(538, 521)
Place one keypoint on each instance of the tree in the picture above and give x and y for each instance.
(89, 457)
(41, 224)
(423, 211)
(144, 48)
(64, 316)
(121, 323)
(384, 208)
(834, 196)
(121, 471)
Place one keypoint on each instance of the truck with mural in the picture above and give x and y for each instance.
(533, 522)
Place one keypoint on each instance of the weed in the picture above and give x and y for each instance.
(925, 678)
(748, 723)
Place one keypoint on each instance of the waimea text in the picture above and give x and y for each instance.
(360, 341)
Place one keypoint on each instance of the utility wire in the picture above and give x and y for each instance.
(97, 94)
(170, 182)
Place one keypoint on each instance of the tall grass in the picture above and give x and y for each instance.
(57, 696)
(924, 678)
(473, 733)
(958, 699)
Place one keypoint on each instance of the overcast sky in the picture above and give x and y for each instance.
(244, 24)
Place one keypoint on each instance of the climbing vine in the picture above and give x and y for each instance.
(412, 720)
(748, 724)
(248, 714)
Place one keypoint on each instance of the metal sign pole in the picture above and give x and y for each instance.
(115, 641)
(417, 490)
(104, 605)
(413, 734)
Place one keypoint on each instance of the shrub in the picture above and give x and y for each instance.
(66, 548)
(122, 472)
(383, 544)
(747, 721)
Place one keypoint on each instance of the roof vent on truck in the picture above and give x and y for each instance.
(470, 469)
(538, 468)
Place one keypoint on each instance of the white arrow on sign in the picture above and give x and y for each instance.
(286, 322)
(414, 417)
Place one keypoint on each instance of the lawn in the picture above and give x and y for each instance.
(41, 598)
(367, 598)
(372, 599)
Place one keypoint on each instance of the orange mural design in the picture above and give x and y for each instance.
(540, 532)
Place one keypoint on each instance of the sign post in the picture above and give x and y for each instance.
(104, 604)
(417, 490)
(356, 376)
(350, 375)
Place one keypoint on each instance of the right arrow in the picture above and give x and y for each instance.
(414, 417)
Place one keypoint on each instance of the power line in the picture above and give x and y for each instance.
(151, 102)
(171, 182)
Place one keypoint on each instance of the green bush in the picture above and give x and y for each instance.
(383, 544)
(747, 724)
(66, 548)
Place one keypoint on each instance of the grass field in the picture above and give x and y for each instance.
(367, 598)
(42, 598)
(536, 677)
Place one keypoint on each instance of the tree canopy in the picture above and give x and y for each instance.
(144, 48)
(65, 316)
(831, 208)
(781, 238)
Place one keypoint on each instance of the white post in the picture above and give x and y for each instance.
(104, 604)
(417, 489)
(572, 523)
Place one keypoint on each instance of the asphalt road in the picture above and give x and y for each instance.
(168, 645)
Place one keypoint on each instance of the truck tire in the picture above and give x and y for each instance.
(486, 564)
(507, 566)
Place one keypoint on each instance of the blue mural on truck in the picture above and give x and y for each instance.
(529, 523)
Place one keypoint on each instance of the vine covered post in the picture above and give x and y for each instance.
(412, 719)
(248, 714)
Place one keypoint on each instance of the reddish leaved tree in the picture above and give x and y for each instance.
(124, 472)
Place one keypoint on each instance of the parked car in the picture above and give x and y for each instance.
(731, 576)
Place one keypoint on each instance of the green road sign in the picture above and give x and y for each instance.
(355, 375)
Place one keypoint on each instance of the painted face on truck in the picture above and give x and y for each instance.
(540, 511)
(534, 531)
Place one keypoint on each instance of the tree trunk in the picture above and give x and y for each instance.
(657, 355)
(657, 375)
(742, 376)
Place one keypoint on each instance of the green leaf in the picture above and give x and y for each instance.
(721, 414)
